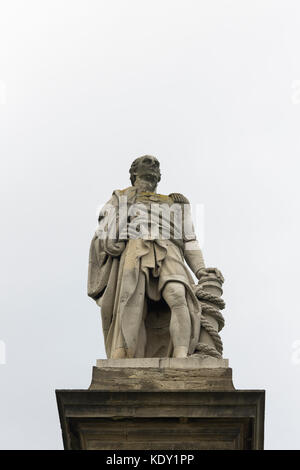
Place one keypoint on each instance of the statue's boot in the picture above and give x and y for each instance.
(119, 353)
(180, 351)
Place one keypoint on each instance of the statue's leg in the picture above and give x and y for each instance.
(180, 324)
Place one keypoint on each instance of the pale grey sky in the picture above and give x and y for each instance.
(212, 88)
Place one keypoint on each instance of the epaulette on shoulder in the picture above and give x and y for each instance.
(177, 197)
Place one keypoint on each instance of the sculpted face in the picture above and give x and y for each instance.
(147, 168)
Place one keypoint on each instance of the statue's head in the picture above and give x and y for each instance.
(146, 168)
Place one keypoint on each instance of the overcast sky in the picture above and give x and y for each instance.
(210, 87)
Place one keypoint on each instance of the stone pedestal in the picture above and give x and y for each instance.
(155, 404)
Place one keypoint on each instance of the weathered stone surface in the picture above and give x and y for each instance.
(176, 408)
(161, 379)
(169, 374)
(177, 420)
(162, 363)
(138, 274)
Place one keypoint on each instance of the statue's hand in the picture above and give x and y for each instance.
(207, 271)
(114, 248)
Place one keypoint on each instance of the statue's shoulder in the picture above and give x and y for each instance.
(125, 192)
(128, 193)
(177, 197)
(122, 191)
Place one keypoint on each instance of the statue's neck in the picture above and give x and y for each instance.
(143, 185)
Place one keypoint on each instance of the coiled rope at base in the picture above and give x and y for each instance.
(211, 305)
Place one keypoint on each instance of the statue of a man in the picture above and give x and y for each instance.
(138, 271)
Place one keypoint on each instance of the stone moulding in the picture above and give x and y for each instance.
(164, 404)
(183, 420)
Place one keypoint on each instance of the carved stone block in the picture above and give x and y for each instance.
(159, 408)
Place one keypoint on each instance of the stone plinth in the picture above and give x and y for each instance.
(192, 362)
(157, 404)
(167, 374)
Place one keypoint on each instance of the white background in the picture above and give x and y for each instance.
(209, 87)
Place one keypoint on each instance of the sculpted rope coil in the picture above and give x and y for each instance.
(211, 309)
(204, 349)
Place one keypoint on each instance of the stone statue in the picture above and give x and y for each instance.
(139, 274)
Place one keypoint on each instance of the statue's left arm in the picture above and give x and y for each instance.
(191, 248)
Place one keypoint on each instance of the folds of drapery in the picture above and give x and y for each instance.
(126, 280)
(124, 287)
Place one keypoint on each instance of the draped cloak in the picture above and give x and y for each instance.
(126, 279)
